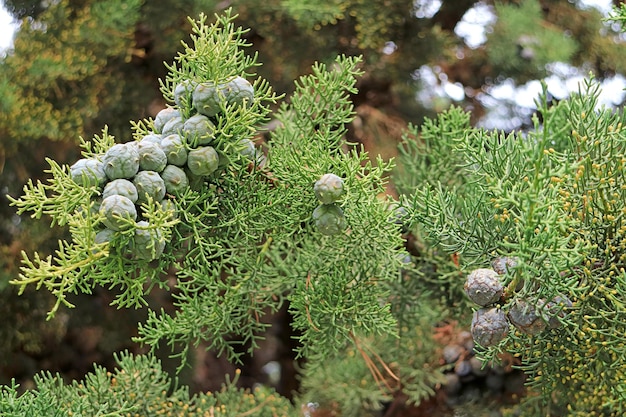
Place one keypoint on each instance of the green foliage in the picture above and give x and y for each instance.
(62, 69)
(80, 263)
(244, 241)
(308, 14)
(427, 161)
(522, 43)
(598, 40)
(60, 207)
(331, 27)
(137, 387)
(84, 58)
(339, 271)
(374, 24)
(618, 15)
(553, 198)
(366, 374)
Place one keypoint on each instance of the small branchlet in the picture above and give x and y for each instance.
(551, 200)
(233, 221)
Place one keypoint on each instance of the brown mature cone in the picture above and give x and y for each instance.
(524, 316)
(503, 264)
(483, 286)
(489, 326)
(558, 308)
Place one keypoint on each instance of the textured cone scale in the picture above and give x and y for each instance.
(174, 125)
(121, 187)
(558, 308)
(483, 286)
(149, 184)
(121, 161)
(87, 172)
(247, 149)
(147, 243)
(328, 189)
(525, 317)
(239, 90)
(198, 130)
(207, 97)
(169, 206)
(151, 156)
(489, 326)
(175, 179)
(182, 93)
(163, 117)
(503, 264)
(103, 236)
(152, 137)
(329, 219)
(118, 212)
(203, 161)
(174, 150)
